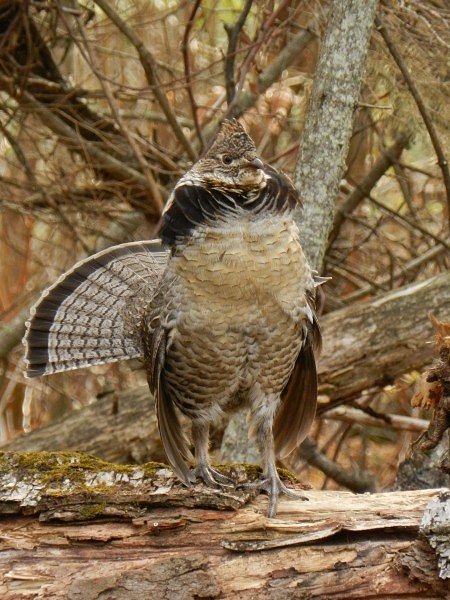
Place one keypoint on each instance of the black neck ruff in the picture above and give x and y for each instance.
(194, 205)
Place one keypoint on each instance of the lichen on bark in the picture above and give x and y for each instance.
(72, 486)
(326, 136)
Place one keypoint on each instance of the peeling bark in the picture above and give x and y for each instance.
(115, 540)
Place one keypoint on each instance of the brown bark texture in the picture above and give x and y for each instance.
(79, 528)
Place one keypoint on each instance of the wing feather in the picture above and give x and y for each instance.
(299, 398)
(173, 439)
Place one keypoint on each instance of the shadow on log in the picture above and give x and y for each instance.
(77, 527)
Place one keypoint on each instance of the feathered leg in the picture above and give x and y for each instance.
(203, 469)
(262, 430)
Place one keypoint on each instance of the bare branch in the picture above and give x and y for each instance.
(359, 193)
(89, 57)
(442, 159)
(329, 121)
(409, 222)
(409, 267)
(149, 66)
(233, 37)
(272, 73)
(11, 332)
(356, 481)
(187, 70)
(102, 159)
(349, 414)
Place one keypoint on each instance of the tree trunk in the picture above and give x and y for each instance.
(359, 352)
(329, 121)
(134, 533)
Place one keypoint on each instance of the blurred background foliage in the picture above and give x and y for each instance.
(89, 154)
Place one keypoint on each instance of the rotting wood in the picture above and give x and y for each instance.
(372, 343)
(336, 545)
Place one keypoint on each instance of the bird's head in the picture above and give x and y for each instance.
(231, 162)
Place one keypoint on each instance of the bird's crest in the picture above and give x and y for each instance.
(233, 137)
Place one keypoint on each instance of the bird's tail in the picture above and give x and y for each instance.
(93, 313)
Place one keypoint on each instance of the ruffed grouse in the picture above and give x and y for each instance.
(220, 308)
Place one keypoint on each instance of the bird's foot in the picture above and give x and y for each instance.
(273, 486)
(212, 477)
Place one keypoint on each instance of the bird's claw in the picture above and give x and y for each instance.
(212, 477)
(273, 487)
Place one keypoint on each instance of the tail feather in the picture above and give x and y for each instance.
(93, 313)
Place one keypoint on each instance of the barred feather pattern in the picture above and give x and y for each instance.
(93, 313)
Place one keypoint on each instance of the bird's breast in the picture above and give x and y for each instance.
(244, 265)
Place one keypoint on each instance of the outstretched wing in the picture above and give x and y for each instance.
(93, 313)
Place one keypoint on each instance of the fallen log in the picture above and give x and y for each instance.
(119, 427)
(370, 344)
(75, 527)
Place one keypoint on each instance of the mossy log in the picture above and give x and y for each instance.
(76, 527)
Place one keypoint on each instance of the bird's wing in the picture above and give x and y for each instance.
(93, 313)
(173, 439)
(299, 398)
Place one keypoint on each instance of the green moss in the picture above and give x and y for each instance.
(286, 474)
(91, 511)
(56, 467)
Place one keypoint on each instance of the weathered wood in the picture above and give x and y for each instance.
(106, 537)
(118, 427)
(372, 343)
(348, 414)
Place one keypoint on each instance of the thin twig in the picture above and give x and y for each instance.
(412, 265)
(19, 153)
(416, 169)
(266, 32)
(149, 66)
(272, 72)
(101, 159)
(404, 185)
(407, 221)
(89, 58)
(344, 431)
(187, 71)
(356, 481)
(442, 160)
(358, 415)
(364, 188)
(233, 37)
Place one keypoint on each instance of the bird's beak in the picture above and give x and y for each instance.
(257, 163)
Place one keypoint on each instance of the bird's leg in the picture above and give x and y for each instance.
(271, 483)
(203, 469)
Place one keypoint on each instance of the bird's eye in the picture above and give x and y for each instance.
(227, 159)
